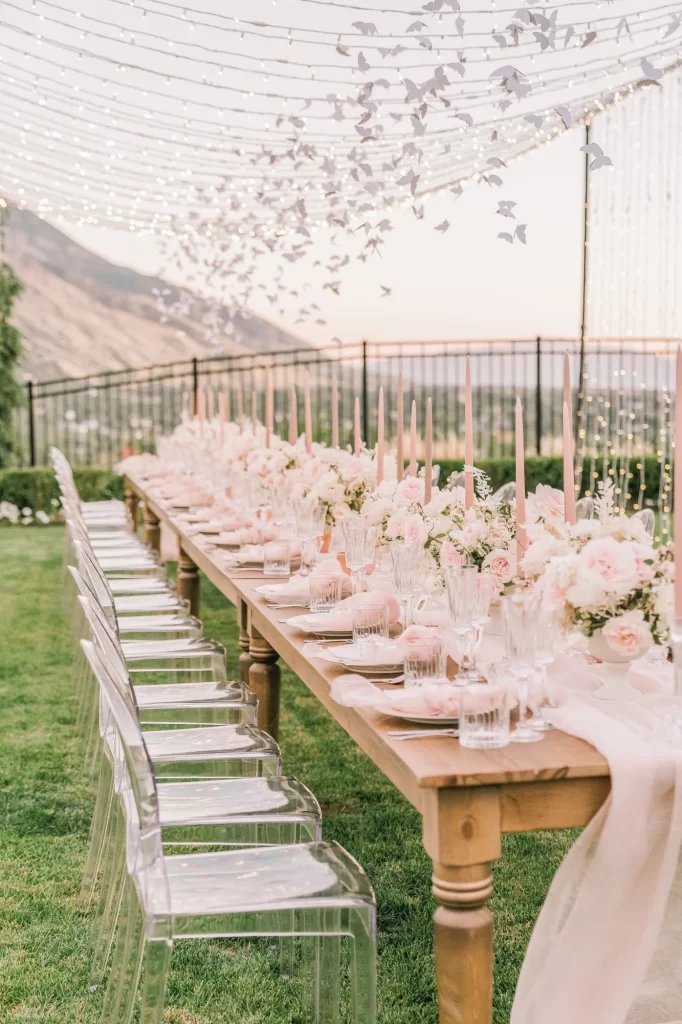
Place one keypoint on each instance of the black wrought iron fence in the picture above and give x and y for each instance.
(99, 419)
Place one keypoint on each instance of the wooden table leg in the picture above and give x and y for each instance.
(264, 678)
(132, 502)
(245, 659)
(152, 529)
(462, 835)
(188, 581)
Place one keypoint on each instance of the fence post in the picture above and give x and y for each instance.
(365, 396)
(538, 397)
(195, 386)
(31, 424)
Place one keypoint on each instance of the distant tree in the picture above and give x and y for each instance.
(11, 392)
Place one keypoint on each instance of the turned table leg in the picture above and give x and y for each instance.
(132, 503)
(245, 659)
(152, 529)
(264, 678)
(188, 581)
(462, 835)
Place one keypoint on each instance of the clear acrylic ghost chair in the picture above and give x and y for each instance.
(647, 519)
(507, 492)
(236, 811)
(310, 889)
(584, 509)
(458, 481)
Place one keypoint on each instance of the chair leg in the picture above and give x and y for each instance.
(99, 829)
(363, 966)
(119, 998)
(156, 967)
(108, 913)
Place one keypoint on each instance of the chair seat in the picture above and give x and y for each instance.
(185, 746)
(236, 800)
(160, 626)
(141, 649)
(190, 694)
(269, 878)
(141, 604)
(139, 585)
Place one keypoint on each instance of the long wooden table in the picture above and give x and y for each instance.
(467, 798)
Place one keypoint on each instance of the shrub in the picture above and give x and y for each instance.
(36, 488)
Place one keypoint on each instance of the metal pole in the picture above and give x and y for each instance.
(538, 397)
(195, 386)
(365, 396)
(583, 307)
(31, 425)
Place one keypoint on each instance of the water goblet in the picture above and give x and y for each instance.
(547, 642)
(520, 618)
(409, 575)
(360, 542)
(461, 586)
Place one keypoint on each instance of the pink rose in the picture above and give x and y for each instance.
(449, 555)
(628, 634)
(410, 489)
(501, 565)
(415, 530)
(548, 502)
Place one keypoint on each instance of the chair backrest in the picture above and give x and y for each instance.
(90, 569)
(138, 786)
(648, 520)
(104, 635)
(507, 492)
(584, 509)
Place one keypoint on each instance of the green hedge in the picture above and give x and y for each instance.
(36, 488)
(541, 470)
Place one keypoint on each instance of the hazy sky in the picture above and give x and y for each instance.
(464, 284)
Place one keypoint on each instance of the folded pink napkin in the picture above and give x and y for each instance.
(440, 701)
(298, 587)
(341, 619)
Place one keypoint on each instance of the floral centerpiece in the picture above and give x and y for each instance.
(337, 479)
(612, 583)
(483, 535)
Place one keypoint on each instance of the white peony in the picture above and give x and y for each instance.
(610, 565)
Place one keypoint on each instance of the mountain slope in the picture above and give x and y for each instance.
(80, 314)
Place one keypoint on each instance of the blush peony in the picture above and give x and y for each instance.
(409, 490)
(628, 634)
(501, 565)
(609, 565)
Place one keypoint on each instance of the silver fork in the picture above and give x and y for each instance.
(418, 734)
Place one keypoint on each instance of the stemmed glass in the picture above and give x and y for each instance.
(310, 521)
(359, 541)
(409, 575)
(460, 584)
(547, 642)
(520, 616)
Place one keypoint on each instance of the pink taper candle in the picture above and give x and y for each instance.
(468, 439)
(677, 484)
(400, 454)
(380, 437)
(308, 416)
(567, 384)
(428, 461)
(223, 413)
(209, 405)
(413, 440)
(269, 408)
(254, 411)
(521, 536)
(293, 416)
(335, 414)
(357, 437)
(240, 410)
(569, 476)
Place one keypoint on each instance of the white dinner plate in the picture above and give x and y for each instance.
(387, 709)
(349, 657)
(314, 624)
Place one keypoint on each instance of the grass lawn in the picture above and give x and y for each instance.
(45, 807)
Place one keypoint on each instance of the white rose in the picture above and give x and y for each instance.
(375, 511)
(415, 530)
(628, 633)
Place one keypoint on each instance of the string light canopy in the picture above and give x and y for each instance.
(235, 137)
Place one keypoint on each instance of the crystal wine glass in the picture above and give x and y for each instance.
(520, 617)
(359, 542)
(409, 575)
